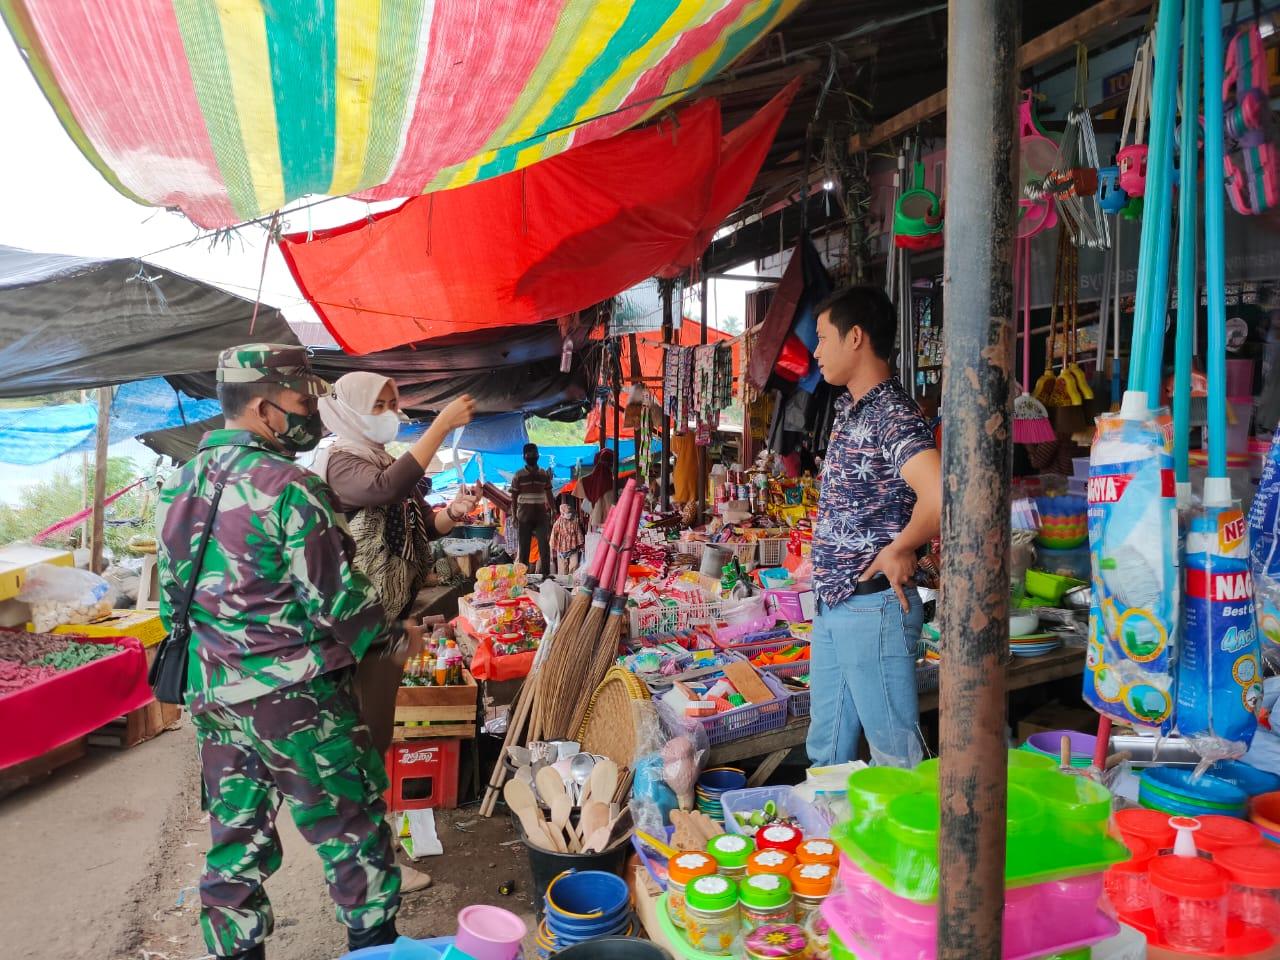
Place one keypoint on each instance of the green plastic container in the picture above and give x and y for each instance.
(1056, 826)
(731, 852)
(838, 950)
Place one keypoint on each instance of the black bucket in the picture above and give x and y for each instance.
(546, 865)
(614, 948)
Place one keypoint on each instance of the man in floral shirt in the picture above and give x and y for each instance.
(880, 502)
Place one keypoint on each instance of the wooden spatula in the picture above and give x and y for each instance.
(524, 804)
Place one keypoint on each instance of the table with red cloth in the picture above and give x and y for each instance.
(71, 703)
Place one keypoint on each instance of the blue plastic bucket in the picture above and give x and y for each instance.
(1249, 779)
(439, 944)
(587, 903)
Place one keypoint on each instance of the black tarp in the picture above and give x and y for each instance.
(71, 323)
(516, 368)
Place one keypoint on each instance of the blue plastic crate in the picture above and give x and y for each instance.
(797, 700)
(752, 719)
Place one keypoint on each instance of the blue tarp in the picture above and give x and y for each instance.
(504, 433)
(39, 434)
(500, 468)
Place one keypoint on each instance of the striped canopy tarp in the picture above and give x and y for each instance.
(230, 109)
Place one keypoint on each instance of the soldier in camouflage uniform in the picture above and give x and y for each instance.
(279, 618)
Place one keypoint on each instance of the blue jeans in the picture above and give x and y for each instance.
(863, 680)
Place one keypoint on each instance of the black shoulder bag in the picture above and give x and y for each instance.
(168, 674)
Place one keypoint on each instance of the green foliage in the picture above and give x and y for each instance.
(731, 325)
(62, 495)
(551, 433)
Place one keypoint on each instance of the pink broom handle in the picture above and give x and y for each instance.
(629, 539)
(620, 515)
(611, 525)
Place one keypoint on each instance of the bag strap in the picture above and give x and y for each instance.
(181, 614)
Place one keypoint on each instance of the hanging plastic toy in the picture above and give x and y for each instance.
(1132, 157)
(1252, 158)
(917, 216)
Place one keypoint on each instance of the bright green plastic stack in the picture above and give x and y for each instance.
(1057, 826)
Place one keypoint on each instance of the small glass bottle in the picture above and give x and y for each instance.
(712, 915)
(810, 885)
(731, 852)
(765, 899)
(682, 870)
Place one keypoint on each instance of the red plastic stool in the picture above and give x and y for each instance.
(423, 773)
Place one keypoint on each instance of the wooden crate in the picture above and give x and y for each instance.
(442, 711)
(137, 726)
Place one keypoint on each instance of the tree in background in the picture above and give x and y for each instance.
(552, 433)
(62, 495)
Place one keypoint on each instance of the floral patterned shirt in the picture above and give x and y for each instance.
(864, 502)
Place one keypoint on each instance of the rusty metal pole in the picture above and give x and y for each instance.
(982, 157)
(702, 451)
(97, 559)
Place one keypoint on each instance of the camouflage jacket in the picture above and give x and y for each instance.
(278, 601)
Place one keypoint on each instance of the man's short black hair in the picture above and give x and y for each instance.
(866, 307)
(530, 448)
(234, 397)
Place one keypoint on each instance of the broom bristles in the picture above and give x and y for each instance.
(1031, 421)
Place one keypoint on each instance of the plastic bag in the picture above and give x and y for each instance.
(670, 753)
(1219, 676)
(1264, 554)
(1135, 613)
(59, 595)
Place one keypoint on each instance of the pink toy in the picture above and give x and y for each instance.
(1252, 159)
(680, 770)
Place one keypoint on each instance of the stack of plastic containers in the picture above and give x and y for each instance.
(1058, 848)
(1206, 886)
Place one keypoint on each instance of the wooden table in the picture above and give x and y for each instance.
(1067, 661)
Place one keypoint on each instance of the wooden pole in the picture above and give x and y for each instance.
(700, 517)
(102, 439)
(982, 149)
(667, 288)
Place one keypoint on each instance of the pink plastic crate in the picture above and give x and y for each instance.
(1039, 921)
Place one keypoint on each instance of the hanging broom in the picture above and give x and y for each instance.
(1030, 418)
(577, 611)
(606, 650)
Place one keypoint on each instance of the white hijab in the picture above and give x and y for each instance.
(353, 397)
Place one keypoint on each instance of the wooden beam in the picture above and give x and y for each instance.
(1033, 52)
(96, 562)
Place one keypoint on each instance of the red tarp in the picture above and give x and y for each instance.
(46, 715)
(539, 243)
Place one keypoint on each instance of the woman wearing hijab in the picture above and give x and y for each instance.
(391, 523)
(596, 488)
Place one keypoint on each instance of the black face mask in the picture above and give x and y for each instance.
(302, 431)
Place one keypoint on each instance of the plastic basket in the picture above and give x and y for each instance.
(745, 552)
(771, 551)
(927, 676)
(798, 700)
(671, 619)
(749, 720)
(810, 820)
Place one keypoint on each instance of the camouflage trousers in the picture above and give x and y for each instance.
(307, 744)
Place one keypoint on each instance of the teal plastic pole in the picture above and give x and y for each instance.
(1158, 157)
(1214, 250)
(1158, 201)
(1188, 230)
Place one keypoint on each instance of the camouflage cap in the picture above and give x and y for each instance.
(281, 363)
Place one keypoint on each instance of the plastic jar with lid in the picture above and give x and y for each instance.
(779, 836)
(682, 869)
(712, 914)
(1255, 884)
(818, 931)
(1189, 899)
(810, 885)
(731, 852)
(776, 941)
(1127, 884)
(764, 899)
(818, 851)
(770, 861)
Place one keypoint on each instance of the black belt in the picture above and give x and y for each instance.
(877, 584)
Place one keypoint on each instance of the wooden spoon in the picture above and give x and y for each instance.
(560, 808)
(550, 785)
(595, 816)
(604, 781)
(524, 804)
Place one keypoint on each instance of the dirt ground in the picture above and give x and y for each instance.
(101, 862)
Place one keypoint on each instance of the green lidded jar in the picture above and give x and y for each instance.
(731, 852)
(712, 917)
(766, 898)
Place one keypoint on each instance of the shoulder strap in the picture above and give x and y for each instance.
(181, 614)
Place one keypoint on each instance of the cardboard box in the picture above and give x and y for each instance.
(143, 625)
(16, 557)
